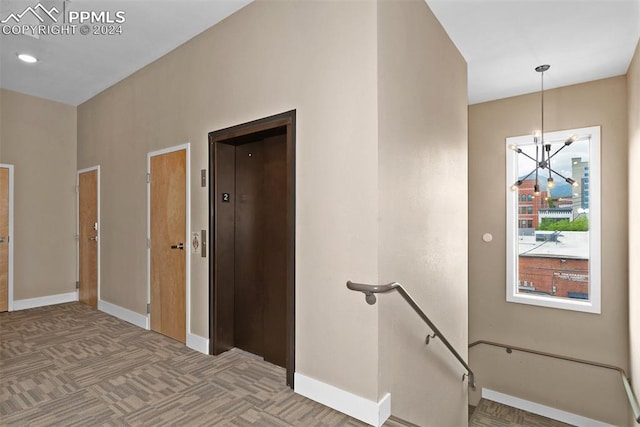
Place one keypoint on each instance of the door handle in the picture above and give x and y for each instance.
(178, 246)
(94, 238)
(1, 239)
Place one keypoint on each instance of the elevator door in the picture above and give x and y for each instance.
(260, 248)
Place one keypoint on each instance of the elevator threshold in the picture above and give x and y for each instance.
(245, 353)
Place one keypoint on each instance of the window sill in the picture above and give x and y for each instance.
(584, 306)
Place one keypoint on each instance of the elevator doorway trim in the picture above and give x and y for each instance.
(221, 295)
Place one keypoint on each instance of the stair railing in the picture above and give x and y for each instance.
(370, 291)
(625, 380)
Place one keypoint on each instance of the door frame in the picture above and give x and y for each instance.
(89, 169)
(11, 238)
(187, 233)
(287, 120)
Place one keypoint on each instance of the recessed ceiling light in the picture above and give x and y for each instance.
(29, 59)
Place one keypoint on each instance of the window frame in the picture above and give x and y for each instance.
(593, 304)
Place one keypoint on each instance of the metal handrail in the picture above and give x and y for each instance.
(370, 290)
(625, 380)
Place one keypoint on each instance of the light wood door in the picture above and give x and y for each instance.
(88, 237)
(168, 227)
(4, 239)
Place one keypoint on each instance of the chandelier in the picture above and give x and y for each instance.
(543, 149)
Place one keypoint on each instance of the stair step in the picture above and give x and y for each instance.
(398, 422)
(471, 410)
(494, 414)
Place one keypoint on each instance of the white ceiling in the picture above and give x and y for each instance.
(502, 41)
(73, 68)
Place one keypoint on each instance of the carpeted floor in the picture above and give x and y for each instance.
(70, 365)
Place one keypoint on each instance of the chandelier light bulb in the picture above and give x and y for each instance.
(536, 136)
(536, 189)
(572, 182)
(571, 139)
(550, 183)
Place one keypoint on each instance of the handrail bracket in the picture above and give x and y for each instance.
(426, 341)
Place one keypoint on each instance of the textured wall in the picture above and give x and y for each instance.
(633, 85)
(590, 392)
(39, 139)
(316, 57)
(423, 212)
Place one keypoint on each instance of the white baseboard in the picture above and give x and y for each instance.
(198, 343)
(367, 411)
(125, 314)
(384, 409)
(545, 411)
(23, 304)
(195, 342)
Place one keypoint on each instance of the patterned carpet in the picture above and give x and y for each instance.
(70, 365)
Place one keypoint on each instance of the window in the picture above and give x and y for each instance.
(555, 261)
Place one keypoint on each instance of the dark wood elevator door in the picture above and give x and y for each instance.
(260, 248)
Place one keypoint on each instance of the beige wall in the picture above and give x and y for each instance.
(633, 85)
(604, 338)
(268, 58)
(39, 138)
(422, 124)
(1, 124)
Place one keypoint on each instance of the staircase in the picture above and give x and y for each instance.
(489, 413)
